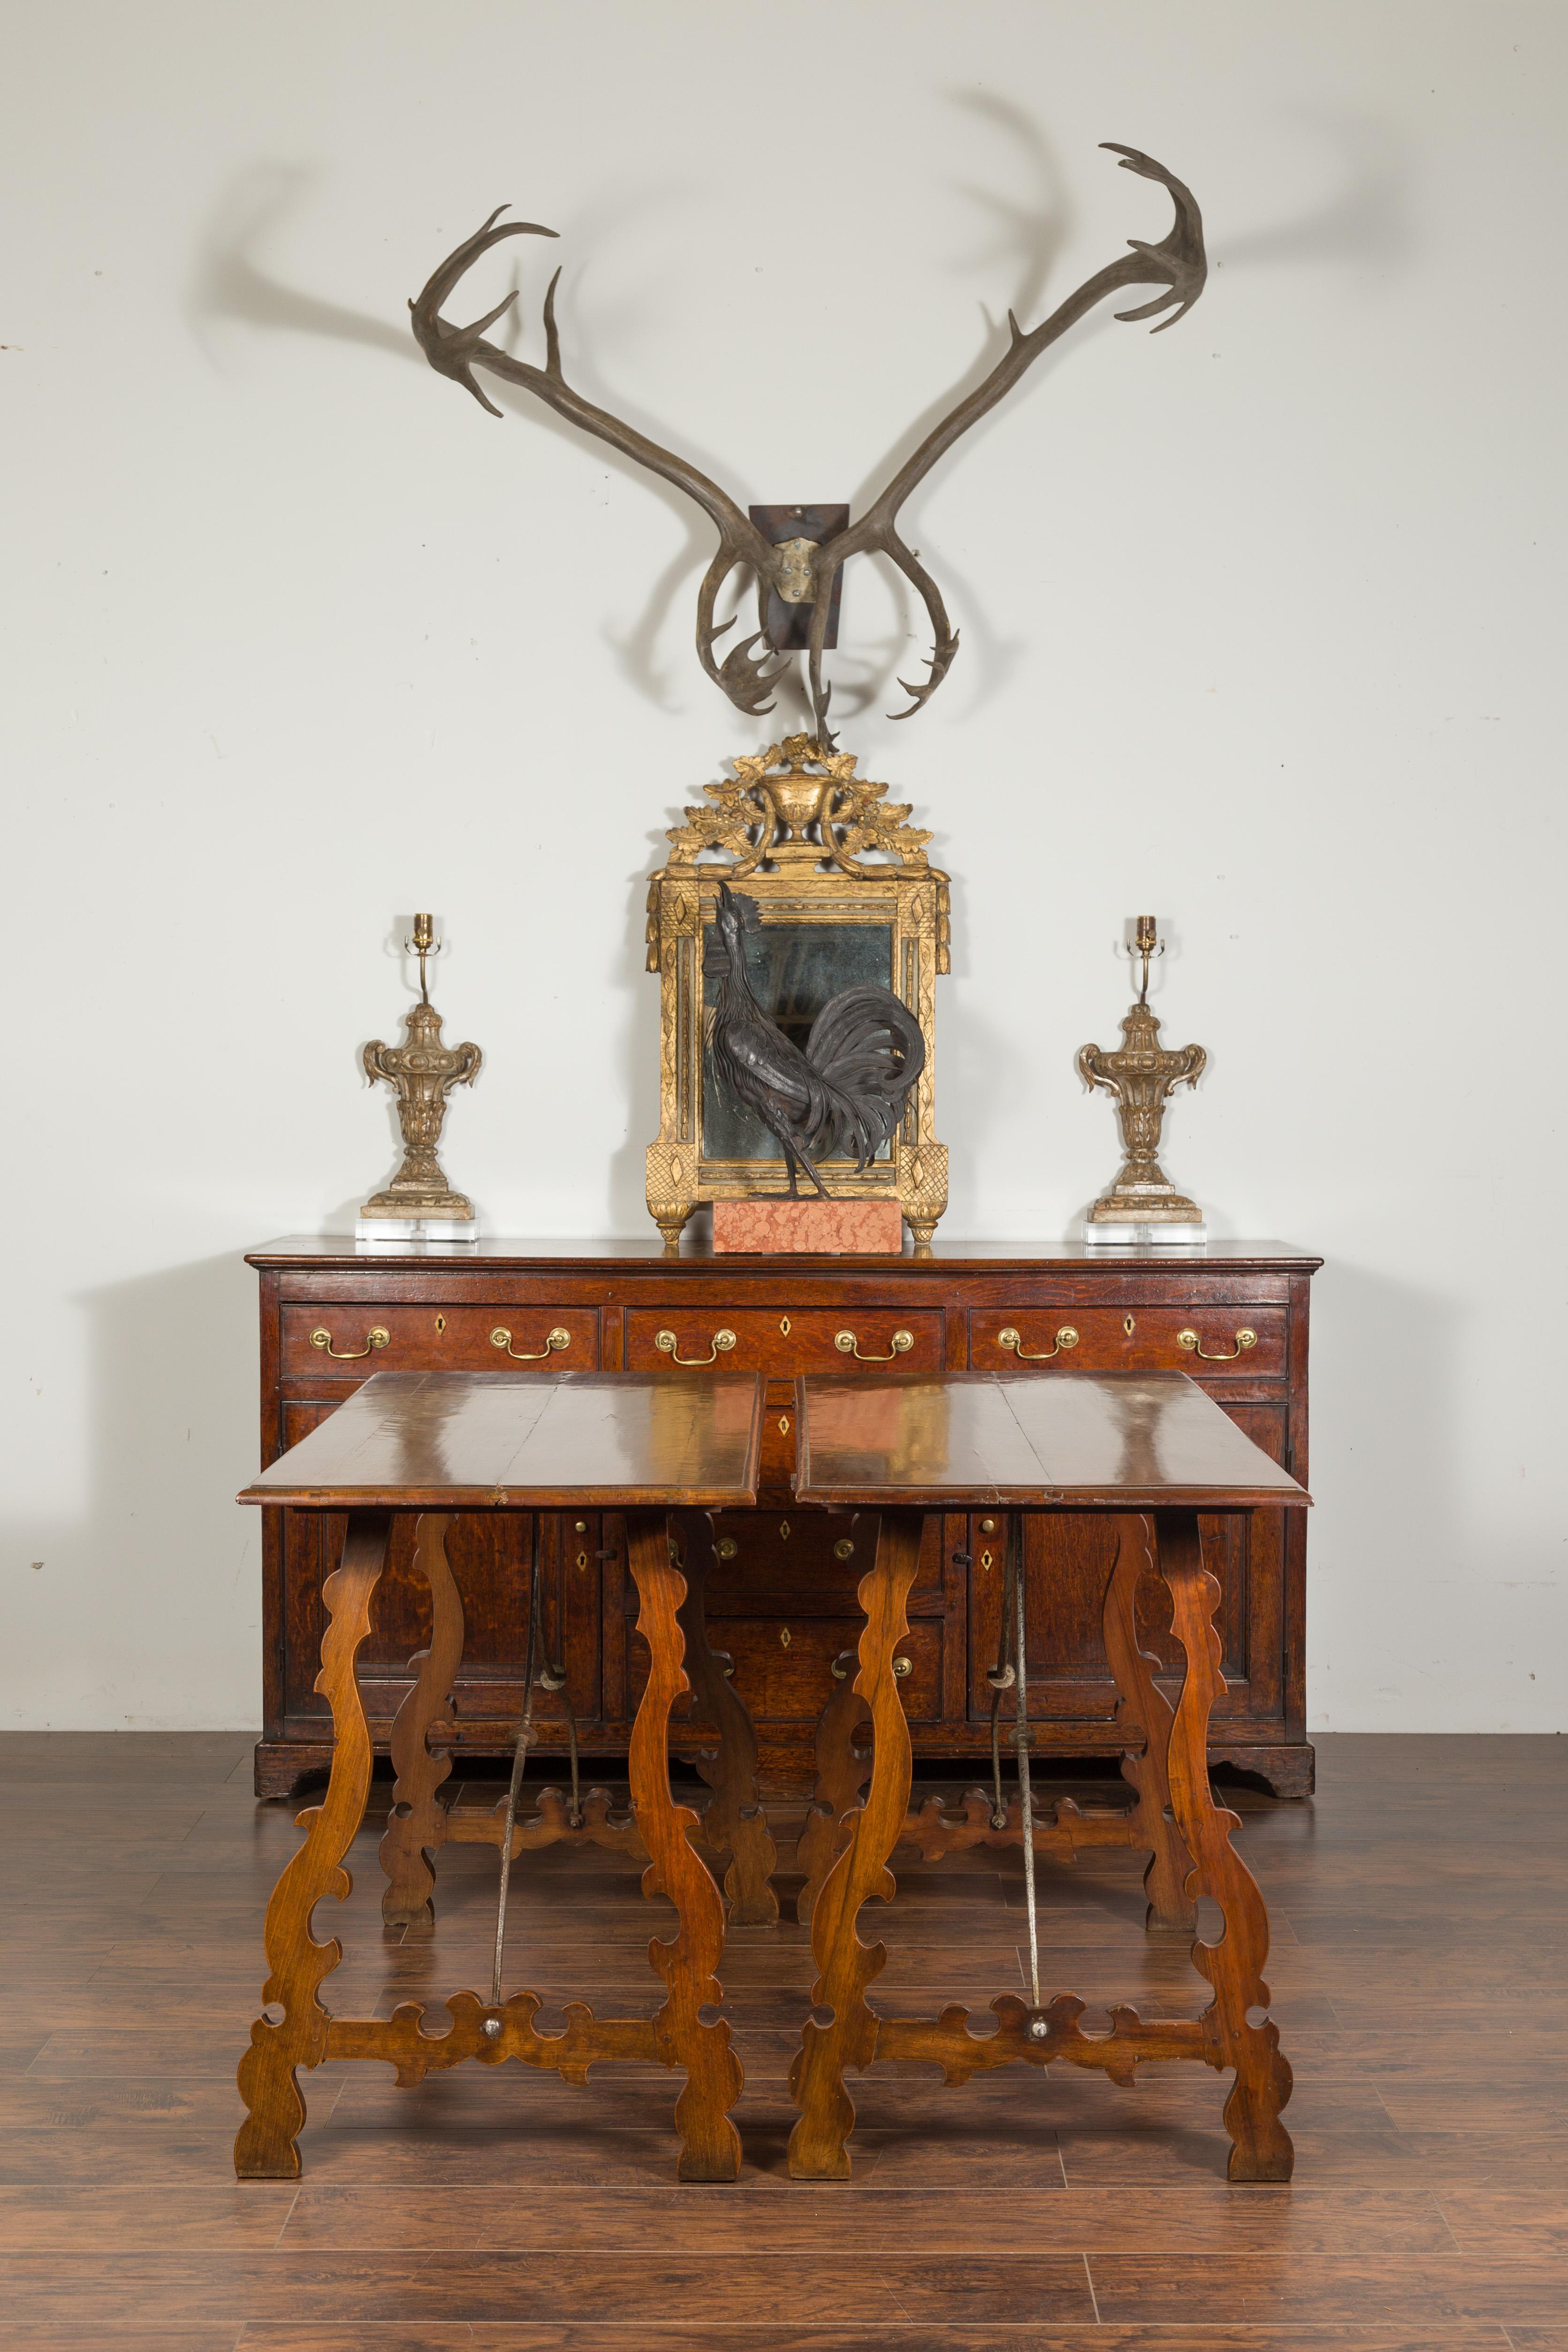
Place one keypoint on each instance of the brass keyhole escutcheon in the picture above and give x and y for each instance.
(844, 1548)
(440, 1322)
(726, 1548)
(984, 1559)
(784, 1424)
(581, 1559)
(783, 1532)
(784, 1325)
(1128, 1325)
(783, 1637)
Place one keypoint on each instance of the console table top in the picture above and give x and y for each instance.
(520, 1440)
(1115, 1440)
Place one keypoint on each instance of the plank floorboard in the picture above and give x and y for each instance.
(1420, 1978)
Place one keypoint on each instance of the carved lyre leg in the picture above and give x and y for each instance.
(267, 2147)
(1261, 2148)
(841, 1774)
(734, 1822)
(711, 2145)
(1140, 1702)
(417, 1826)
(818, 2145)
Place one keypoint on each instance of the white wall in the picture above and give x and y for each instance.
(1261, 627)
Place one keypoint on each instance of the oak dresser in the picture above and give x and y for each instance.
(782, 1599)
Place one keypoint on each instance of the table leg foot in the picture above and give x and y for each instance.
(819, 2146)
(710, 2144)
(734, 1823)
(1261, 2148)
(417, 1825)
(267, 2147)
(1142, 1705)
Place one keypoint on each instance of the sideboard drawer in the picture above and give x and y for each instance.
(783, 1668)
(794, 1339)
(436, 1338)
(1134, 1340)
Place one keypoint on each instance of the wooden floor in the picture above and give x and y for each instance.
(1420, 1974)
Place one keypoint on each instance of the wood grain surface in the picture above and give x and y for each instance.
(522, 1441)
(1418, 1972)
(1113, 1440)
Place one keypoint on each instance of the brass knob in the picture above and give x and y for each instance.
(844, 1548)
(378, 1338)
(1195, 1346)
(902, 1666)
(726, 1548)
(849, 1345)
(987, 1526)
(667, 1343)
(1009, 1338)
(559, 1337)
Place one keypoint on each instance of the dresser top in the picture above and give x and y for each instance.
(944, 1255)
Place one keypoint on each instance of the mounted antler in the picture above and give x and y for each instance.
(1178, 263)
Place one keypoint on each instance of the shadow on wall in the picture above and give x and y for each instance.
(147, 1608)
(1389, 1539)
(1366, 222)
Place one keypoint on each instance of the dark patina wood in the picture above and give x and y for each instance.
(415, 1442)
(612, 1299)
(1152, 1452)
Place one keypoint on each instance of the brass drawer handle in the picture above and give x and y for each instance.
(501, 1338)
(1195, 1346)
(379, 1338)
(1066, 1337)
(667, 1343)
(846, 1659)
(849, 1345)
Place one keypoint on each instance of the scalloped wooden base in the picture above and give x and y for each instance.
(304, 2033)
(848, 1854)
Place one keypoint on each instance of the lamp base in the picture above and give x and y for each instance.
(1127, 1234)
(417, 1229)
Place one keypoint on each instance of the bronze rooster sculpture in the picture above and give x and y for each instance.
(845, 1093)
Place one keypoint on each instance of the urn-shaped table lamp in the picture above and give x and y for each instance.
(419, 1204)
(1143, 1205)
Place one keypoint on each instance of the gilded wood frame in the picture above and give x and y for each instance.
(812, 843)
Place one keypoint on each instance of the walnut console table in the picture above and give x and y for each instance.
(1148, 1455)
(781, 1595)
(421, 1447)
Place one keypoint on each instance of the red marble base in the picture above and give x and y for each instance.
(824, 1228)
